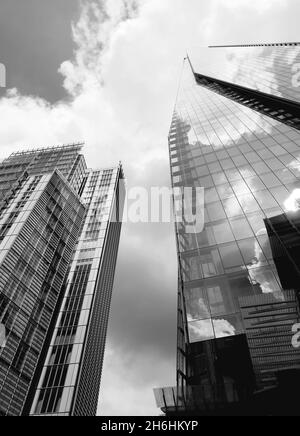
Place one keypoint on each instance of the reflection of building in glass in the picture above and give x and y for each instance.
(268, 321)
(284, 235)
(235, 132)
(59, 232)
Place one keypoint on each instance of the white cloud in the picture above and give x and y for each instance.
(292, 204)
(257, 5)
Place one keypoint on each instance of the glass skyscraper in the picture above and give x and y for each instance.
(235, 132)
(59, 233)
(70, 380)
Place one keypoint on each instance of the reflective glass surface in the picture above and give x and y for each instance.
(38, 231)
(71, 345)
(249, 165)
(268, 69)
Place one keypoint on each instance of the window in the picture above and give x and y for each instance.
(214, 167)
(231, 257)
(270, 180)
(255, 184)
(223, 233)
(241, 228)
(211, 195)
(225, 191)
(260, 168)
(216, 301)
(249, 204)
(200, 331)
(240, 188)
(239, 161)
(211, 263)
(215, 211)
(257, 222)
(197, 305)
(219, 178)
(251, 252)
(265, 200)
(232, 207)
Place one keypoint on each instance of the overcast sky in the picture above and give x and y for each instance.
(106, 72)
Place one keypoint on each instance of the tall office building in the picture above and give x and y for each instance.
(59, 234)
(70, 381)
(235, 132)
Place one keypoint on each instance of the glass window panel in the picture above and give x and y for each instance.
(231, 257)
(286, 176)
(206, 238)
(210, 262)
(225, 191)
(249, 204)
(265, 279)
(211, 195)
(210, 157)
(240, 188)
(274, 164)
(240, 285)
(215, 211)
(260, 168)
(265, 246)
(201, 171)
(223, 233)
(234, 152)
(187, 241)
(222, 154)
(278, 150)
(287, 159)
(232, 207)
(270, 213)
(257, 222)
(281, 194)
(251, 252)
(192, 268)
(219, 178)
(199, 161)
(214, 167)
(265, 154)
(241, 228)
(255, 184)
(252, 157)
(233, 175)
(216, 300)
(270, 180)
(257, 145)
(206, 182)
(245, 148)
(227, 164)
(200, 331)
(265, 200)
(226, 326)
(197, 305)
(291, 147)
(247, 171)
(239, 160)
(221, 299)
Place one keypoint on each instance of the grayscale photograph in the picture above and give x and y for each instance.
(149, 211)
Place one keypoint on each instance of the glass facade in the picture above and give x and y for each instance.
(60, 225)
(18, 166)
(249, 165)
(265, 68)
(70, 381)
(38, 231)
